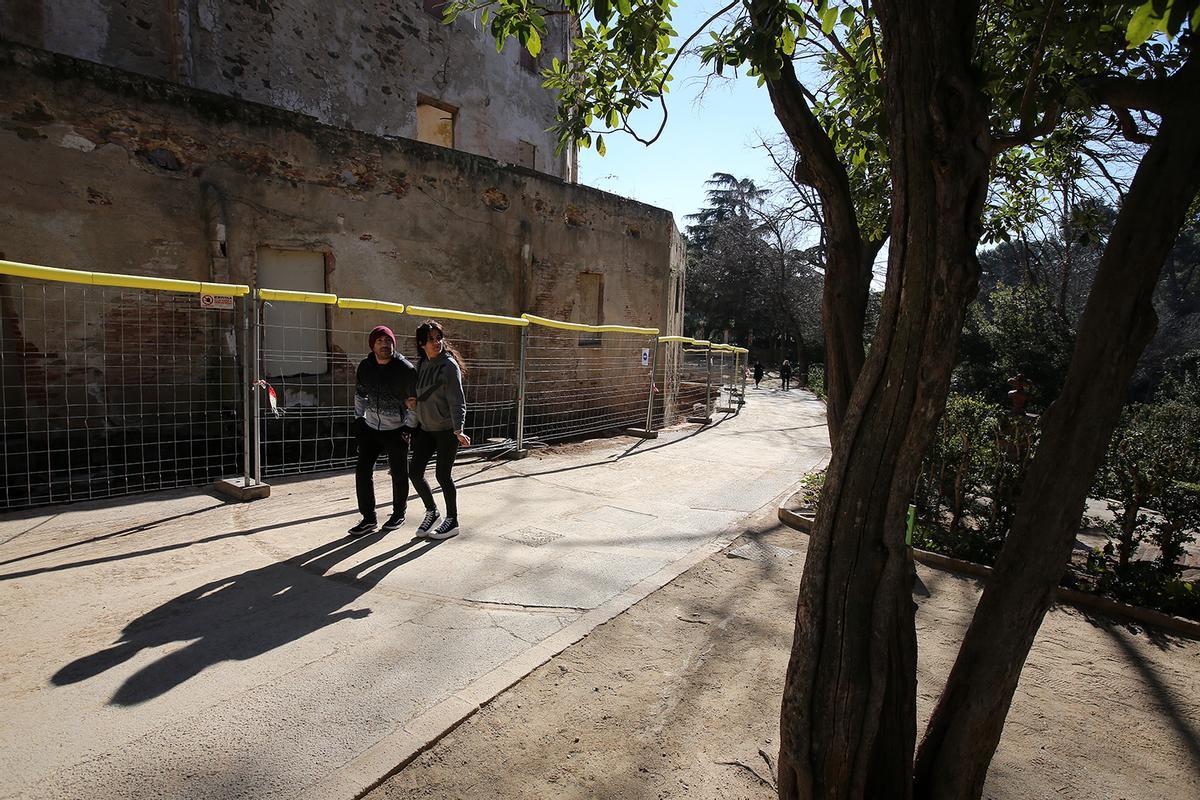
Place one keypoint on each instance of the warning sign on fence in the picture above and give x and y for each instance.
(645, 356)
(216, 301)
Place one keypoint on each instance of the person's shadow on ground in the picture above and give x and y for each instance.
(243, 616)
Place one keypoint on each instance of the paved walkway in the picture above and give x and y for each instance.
(173, 645)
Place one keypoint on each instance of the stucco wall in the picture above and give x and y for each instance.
(357, 64)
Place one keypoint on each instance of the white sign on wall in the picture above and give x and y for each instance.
(645, 356)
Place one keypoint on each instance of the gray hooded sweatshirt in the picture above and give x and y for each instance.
(441, 404)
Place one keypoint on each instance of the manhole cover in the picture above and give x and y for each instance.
(533, 537)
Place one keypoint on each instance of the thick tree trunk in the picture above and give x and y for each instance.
(1118, 322)
(848, 721)
(847, 265)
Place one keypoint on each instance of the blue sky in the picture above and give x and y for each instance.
(716, 134)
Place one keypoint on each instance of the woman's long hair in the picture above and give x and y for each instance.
(423, 331)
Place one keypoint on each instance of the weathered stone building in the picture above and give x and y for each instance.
(277, 144)
(384, 67)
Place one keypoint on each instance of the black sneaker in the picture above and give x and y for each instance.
(394, 521)
(448, 528)
(363, 528)
(427, 523)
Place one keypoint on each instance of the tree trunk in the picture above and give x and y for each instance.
(1116, 325)
(847, 279)
(848, 720)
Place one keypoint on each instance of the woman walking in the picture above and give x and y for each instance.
(441, 412)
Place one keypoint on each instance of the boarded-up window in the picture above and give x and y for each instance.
(527, 154)
(294, 340)
(589, 304)
(435, 122)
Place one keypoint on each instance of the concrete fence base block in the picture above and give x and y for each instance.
(514, 454)
(240, 490)
(724, 409)
(642, 433)
(701, 420)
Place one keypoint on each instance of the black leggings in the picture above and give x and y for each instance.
(424, 445)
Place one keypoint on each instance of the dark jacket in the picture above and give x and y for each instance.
(380, 391)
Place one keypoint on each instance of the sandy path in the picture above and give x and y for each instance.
(677, 696)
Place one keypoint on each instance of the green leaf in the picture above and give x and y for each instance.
(847, 17)
(614, 119)
(828, 20)
(600, 145)
(789, 41)
(534, 43)
(624, 7)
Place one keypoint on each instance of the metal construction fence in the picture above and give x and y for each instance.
(116, 384)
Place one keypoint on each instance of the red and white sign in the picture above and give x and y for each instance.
(217, 302)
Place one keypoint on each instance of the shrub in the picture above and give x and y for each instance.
(816, 380)
(1151, 476)
(971, 477)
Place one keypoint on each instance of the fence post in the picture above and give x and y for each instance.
(708, 404)
(741, 380)
(521, 451)
(255, 353)
(249, 485)
(648, 432)
(247, 306)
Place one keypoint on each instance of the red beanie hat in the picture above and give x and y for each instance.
(380, 330)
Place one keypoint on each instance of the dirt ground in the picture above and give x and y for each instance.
(679, 697)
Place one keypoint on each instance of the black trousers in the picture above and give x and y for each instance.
(371, 444)
(445, 445)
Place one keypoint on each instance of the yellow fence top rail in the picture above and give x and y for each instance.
(19, 270)
(742, 350)
(297, 297)
(465, 316)
(579, 326)
(370, 305)
(680, 339)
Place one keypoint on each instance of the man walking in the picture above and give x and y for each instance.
(382, 423)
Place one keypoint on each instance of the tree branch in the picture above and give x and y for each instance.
(1025, 135)
(1129, 128)
(662, 99)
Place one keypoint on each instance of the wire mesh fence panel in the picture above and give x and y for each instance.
(722, 378)
(492, 355)
(579, 383)
(312, 369)
(110, 391)
(693, 395)
(308, 353)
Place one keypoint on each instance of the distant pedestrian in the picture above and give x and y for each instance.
(758, 373)
(785, 374)
(441, 407)
(383, 383)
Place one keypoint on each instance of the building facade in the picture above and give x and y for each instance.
(161, 164)
(384, 67)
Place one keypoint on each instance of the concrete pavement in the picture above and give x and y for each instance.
(174, 645)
